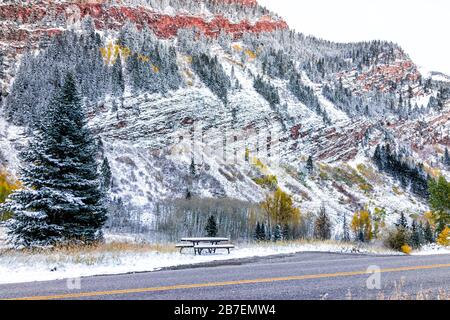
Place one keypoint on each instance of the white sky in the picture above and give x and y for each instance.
(421, 27)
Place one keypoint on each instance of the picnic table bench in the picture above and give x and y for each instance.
(206, 243)
(212, 248)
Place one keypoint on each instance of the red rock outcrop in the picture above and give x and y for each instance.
(113, 17)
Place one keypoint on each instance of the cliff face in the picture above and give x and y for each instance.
(22, 23)
(238, 112)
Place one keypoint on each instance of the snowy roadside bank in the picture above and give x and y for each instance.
(125, 254)
(117, 258)
(431, 249)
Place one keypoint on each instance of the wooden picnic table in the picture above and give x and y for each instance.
(212, 240)
(214, 243)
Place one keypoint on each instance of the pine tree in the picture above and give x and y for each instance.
(192, 169)
(211, 227)
(257, 233)
(310, 165)
(415, 240)
(285, 232)
(428, 233)
(260, 232)
(402, 222)
(106, 175)
(377, 157)
(61, 200)
(277, 233)
(421, 233)
(117, 81)
(322, 225)
(1, 66)
(447, 158)
(263, 234)
(267, 90)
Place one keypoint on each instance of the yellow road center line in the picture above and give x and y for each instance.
(224, 283)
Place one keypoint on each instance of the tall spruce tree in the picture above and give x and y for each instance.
(263, 235)
(106, 175)
(260, 232)
(277, 233)
(61, 201)
(257, 232)
(310, 165)
(402, 222)
(428, 233)
(286, 232)
(447, 158)
(416, 239)
(211, 227)
(322, 225)
(1, 65)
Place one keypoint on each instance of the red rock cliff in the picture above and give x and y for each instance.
(20, 22)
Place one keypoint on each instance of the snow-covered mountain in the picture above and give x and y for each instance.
(218, 98)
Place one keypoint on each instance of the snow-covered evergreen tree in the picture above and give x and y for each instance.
(428, 233)
(416, 237)
(310, 165)
(212, 74)
(117, 80)
(61, 201)
(322, 225)
(447, 158)
(106, 175)
(211, 227)
(277, 233)
(1, 66)
(267, 90)
(402, 222)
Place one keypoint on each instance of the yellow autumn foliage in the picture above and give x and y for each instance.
(250, 54)
(155, 69)
(260, 165)
(444, 237)
(280, 209)
(430, 217)
(362, 224)
(143, 58)
(7, 186)
(406, 249)
(237, 47)
(125, 52)
(112, 52)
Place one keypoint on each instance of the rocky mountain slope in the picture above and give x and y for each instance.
(220, 99)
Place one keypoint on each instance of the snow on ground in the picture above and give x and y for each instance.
(17, 267)
(431, 249)
(118, 257)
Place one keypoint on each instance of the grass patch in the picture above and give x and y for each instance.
(86, 254)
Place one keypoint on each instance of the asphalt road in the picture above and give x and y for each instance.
(300, 276)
